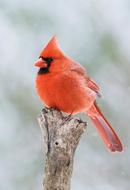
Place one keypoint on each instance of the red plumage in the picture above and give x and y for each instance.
(64, 84)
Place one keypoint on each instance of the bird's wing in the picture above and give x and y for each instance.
(90, 83)
(77, 68)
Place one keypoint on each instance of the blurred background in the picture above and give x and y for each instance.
(94, 33)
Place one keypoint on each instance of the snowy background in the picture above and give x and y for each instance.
(95, 33)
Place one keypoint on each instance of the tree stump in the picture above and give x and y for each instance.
(61, 136)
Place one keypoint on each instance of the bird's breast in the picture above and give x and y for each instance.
(66, 92)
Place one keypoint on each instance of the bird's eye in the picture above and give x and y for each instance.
(47, 59)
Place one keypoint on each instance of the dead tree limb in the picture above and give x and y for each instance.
(61, 136)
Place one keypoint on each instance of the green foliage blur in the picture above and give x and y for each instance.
(94, 33)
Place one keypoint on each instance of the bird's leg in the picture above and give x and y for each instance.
(67, 118)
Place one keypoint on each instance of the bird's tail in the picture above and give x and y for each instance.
(104, 128)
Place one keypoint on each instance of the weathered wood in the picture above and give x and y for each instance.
(60, 135)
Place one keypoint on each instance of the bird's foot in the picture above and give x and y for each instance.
(67, 118)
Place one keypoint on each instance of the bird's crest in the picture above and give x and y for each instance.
(52, 49)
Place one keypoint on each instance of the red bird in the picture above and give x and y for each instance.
(64, 84)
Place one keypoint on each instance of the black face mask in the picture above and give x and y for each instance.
(48, 61)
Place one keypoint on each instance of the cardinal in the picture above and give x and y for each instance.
(65, 85)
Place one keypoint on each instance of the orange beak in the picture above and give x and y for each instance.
(40, 63)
